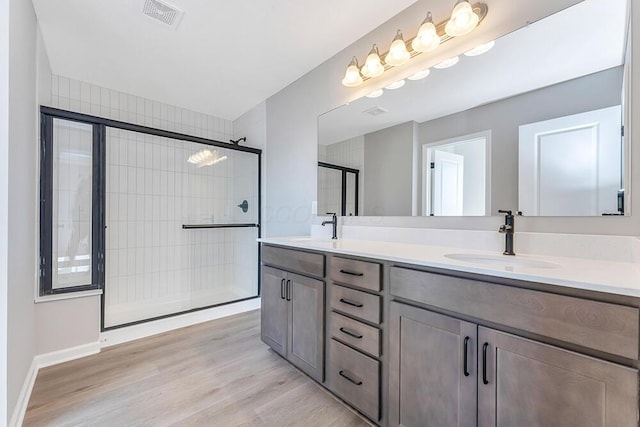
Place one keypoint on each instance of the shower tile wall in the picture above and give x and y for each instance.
(348, 153)
(153, 266)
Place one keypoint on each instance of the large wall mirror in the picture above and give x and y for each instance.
(535, 125)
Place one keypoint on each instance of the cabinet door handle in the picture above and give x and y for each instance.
(288, 290)
(484, 363)
(466, 356)
(351, 303)
(350, 333)
(282, 291)
(348, 378)
(351, 273)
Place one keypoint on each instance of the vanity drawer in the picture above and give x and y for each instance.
(357, 334)
(356, 303)
(607, 327)
(357, 273)
(293, 260)
(355, 378)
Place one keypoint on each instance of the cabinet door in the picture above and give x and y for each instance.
(274, 327)
(429, 382)
(306, 325)
(527, 383)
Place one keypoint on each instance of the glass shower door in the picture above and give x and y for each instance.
(182, 221)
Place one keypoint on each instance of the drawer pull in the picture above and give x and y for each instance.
(350, 333)
(351, 303)
(348, 378)
(351, 273)
(466, 361)
(282, 292)
(484, 363)
(288, 290)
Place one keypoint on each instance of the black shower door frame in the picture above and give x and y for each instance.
(49, 113)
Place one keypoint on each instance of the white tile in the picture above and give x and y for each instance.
(63, 87)
(105, 97)
(54, 85)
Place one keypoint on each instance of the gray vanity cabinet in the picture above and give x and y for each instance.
(293, 313)
(432, 371)
(434, 379)
(520, 382)
(528, 383)
(275, 309)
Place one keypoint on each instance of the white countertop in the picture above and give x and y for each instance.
(621, 278)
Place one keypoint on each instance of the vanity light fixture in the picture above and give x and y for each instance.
(398, 53)
(479, 50)
(427, 38)
(420, 75)
(375, 94)
(352, 77)
(463, 20)
(447, 63)
(373, 66)
(395, 85)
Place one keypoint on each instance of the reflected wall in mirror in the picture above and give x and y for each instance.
(451, 143)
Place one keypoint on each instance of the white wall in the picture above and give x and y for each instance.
(292, 137)
(22, 197)
(4, 195)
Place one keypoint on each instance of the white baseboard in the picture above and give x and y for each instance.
(61, 356)
(25, 394)
(134, 332)
(42, 361)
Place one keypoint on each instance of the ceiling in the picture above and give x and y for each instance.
(224, 57)
(560, 47)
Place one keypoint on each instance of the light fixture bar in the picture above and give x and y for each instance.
(480, 9)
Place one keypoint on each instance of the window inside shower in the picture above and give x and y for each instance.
(180, 220)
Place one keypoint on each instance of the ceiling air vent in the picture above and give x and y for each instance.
(375, 111)
(163, 12)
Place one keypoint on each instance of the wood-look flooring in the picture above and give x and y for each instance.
(217, 373)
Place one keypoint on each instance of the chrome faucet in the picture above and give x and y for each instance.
(507, 228)
(334, 221)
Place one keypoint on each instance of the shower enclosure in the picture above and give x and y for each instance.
(176, 238)
(179, 217)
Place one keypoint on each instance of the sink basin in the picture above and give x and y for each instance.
(503, 261)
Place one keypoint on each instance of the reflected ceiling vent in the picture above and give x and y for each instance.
(375, 111)
(163, 12)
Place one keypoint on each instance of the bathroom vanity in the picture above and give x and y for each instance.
(409, 335)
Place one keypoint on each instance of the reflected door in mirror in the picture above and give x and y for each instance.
(572, 165)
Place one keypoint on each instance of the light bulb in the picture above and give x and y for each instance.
(427, 38)
(395, 85)
(352, 77)
(398, 53)
(375, 93)
(463, 20)
(447, 63)
(479, 50)
(372, 66)
(420, 75)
